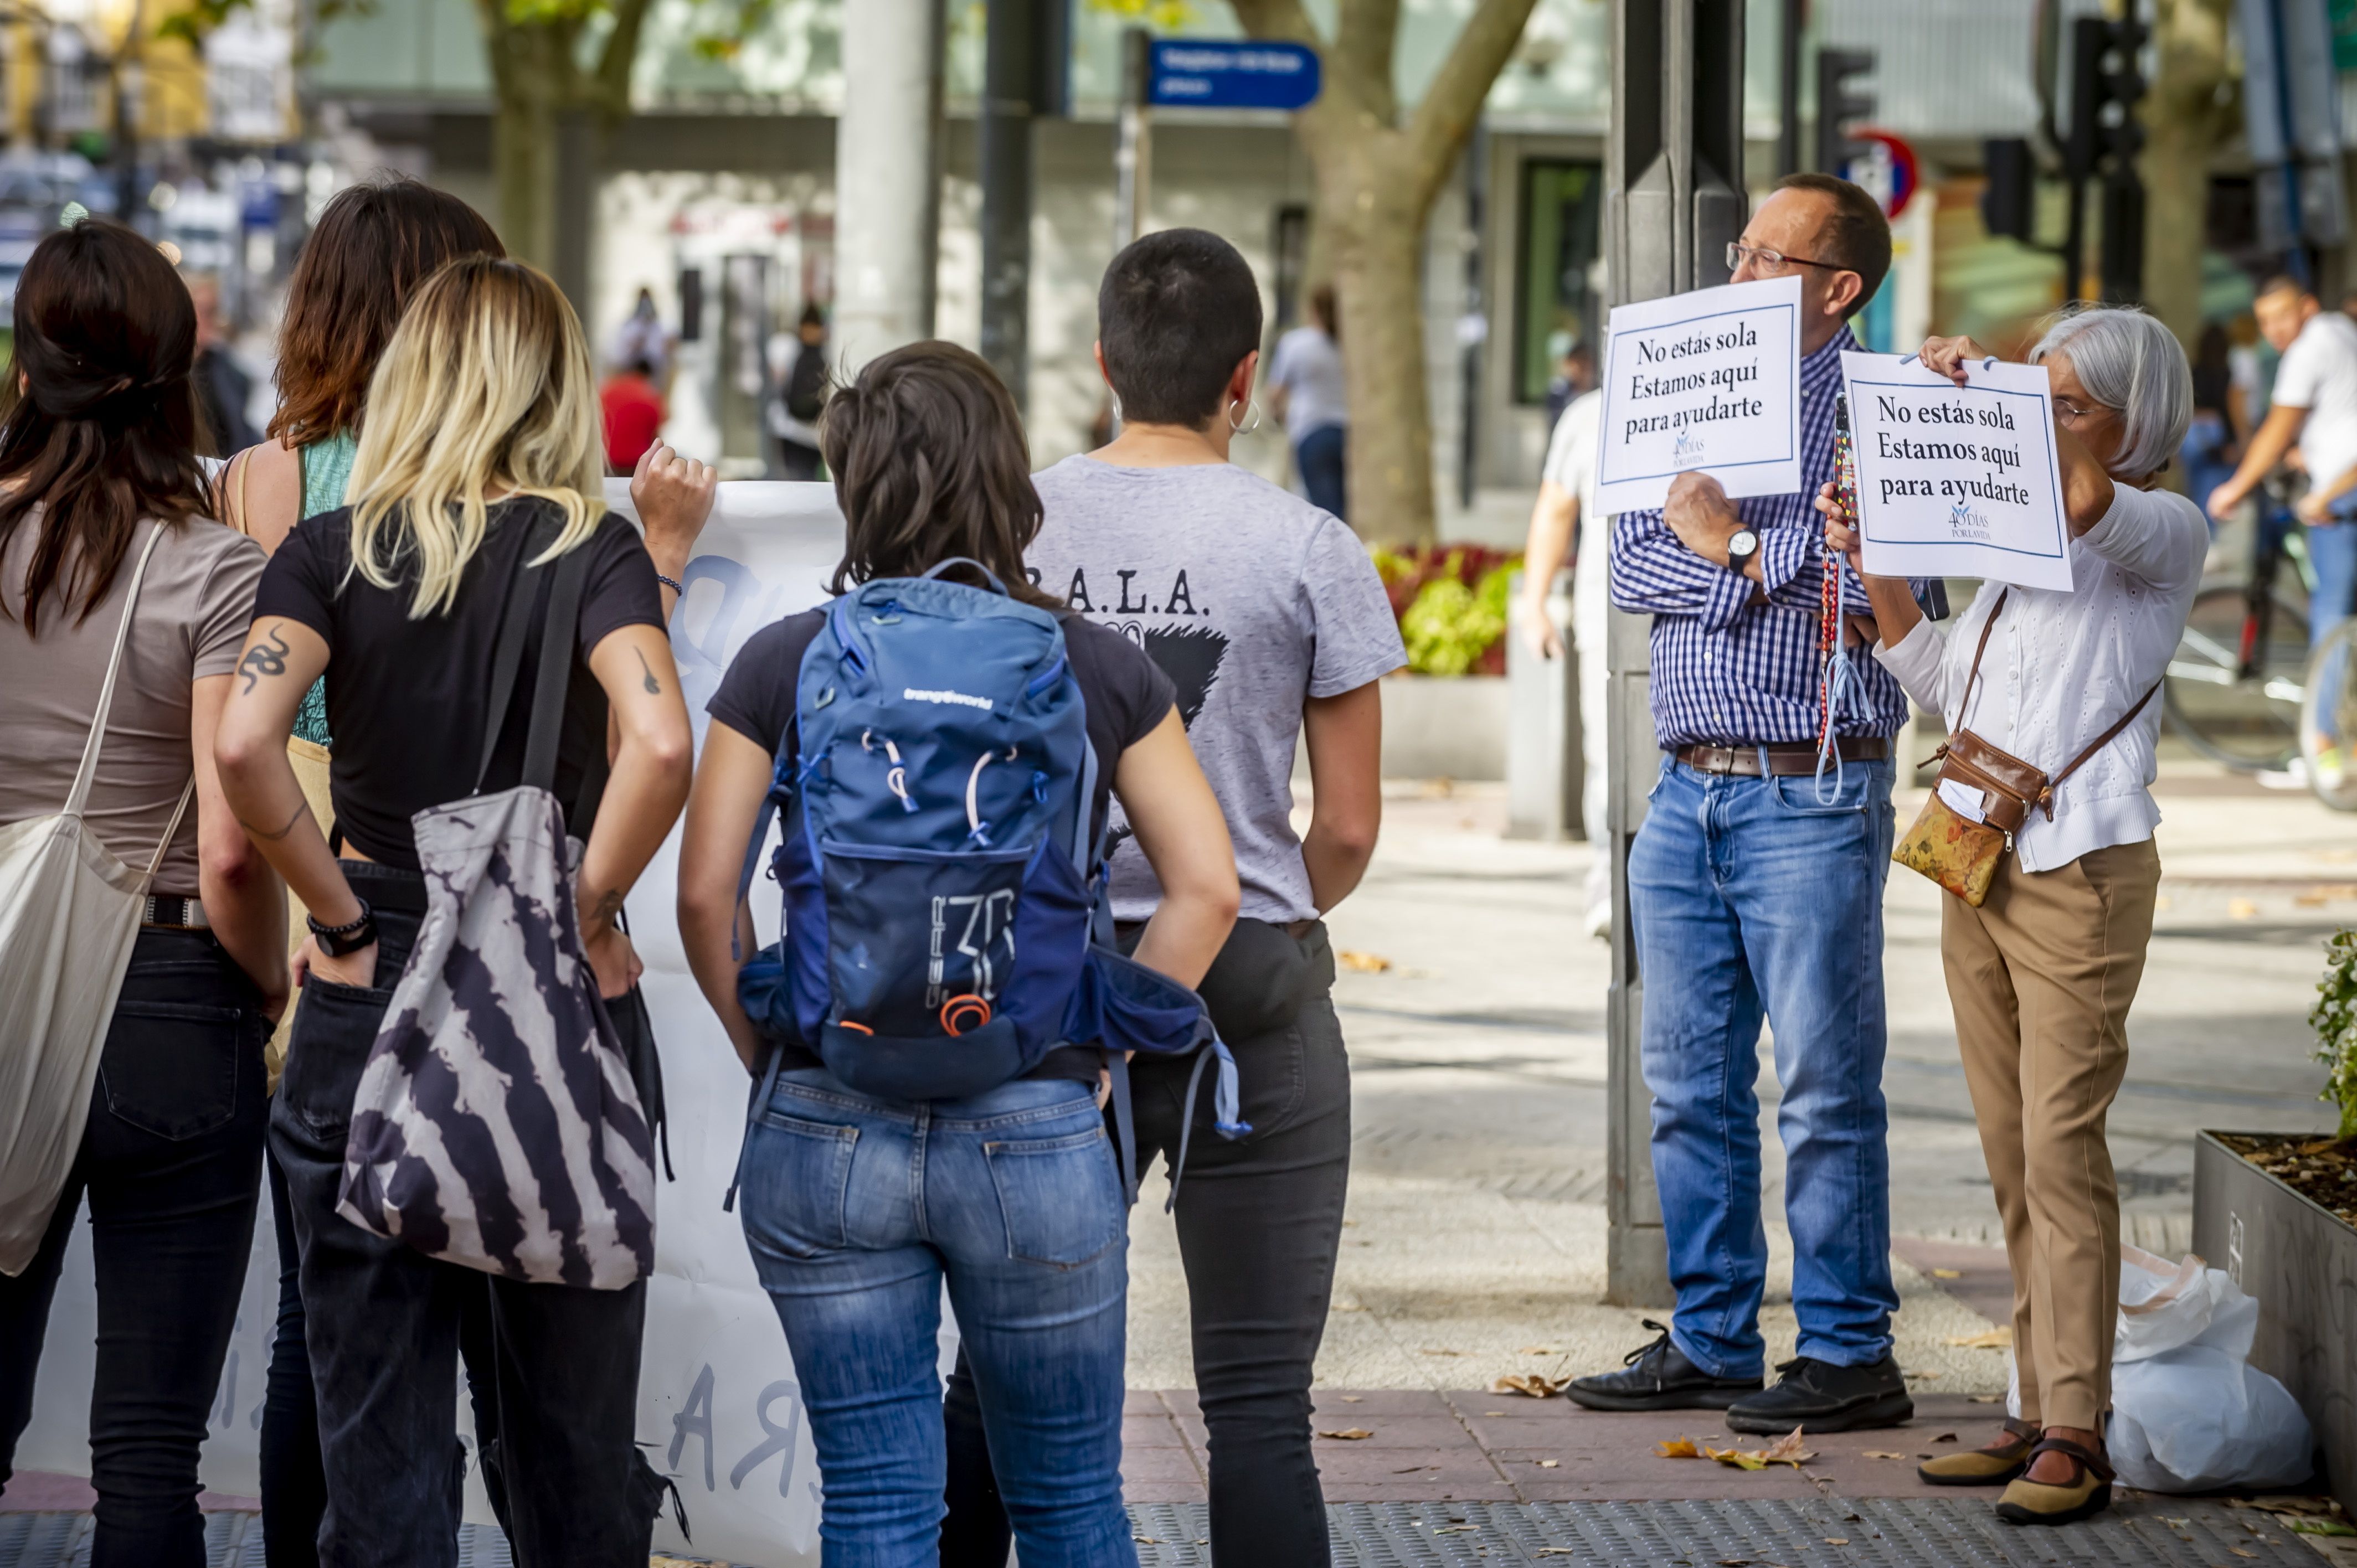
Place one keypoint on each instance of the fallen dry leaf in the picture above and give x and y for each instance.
(1994, 1339)
(1537, 1350)
(1921, 1376)
(1550, 1464)
(1985, 1398)
(1788, 1450)
(1947, 1273)
(1352, 1399)
(1430, 1351)
(1946, 1437)
(1362, 962)
(2242, 909)
(1348, 1433)
(1837, 1540)
(1531, 1384)
(2240, 1552)
(1876, 1453)
(1741, 1458)
(1678, 1448)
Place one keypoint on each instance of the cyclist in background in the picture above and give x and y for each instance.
(2315, 405)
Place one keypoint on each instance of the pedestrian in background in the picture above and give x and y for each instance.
(1271, 623)
(1009, 1198)
(2042, 973)
(642, 338)
(1756, 890)
(1565, 506)
(2314, 405)
(1308, 392)
(480, 458)
(223, 389)
(794, 417)
(2213, 440)
(632, 407)
(101, 499)
(1574, 378)
(375, 245)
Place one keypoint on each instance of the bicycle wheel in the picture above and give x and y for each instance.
(2244, 723)
(2328, 719)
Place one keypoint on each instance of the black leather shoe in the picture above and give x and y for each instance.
(1823, 1397)
(1659, 1377)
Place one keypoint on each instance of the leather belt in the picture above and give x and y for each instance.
(1784, 759)
(176, 915)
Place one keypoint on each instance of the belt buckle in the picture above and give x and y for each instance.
(1721, 761)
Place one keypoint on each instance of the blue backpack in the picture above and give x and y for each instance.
(945, 922)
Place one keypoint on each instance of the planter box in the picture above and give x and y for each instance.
(2301, 1260)
(1445, 727)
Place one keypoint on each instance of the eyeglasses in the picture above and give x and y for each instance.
(2071, 414)
(1771, 264)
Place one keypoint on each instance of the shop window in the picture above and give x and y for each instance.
(1561, 222)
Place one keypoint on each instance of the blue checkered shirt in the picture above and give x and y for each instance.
(1728, 669)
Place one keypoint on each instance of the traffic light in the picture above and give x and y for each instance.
(2009, 201)
(2104, 139)
(1839, 106)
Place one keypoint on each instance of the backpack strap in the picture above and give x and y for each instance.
(989, 577)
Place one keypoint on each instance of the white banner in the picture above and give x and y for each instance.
(1957, 481)
(719, 1408)
(1703, 382)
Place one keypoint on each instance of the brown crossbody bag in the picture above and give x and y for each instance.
(1954, 851)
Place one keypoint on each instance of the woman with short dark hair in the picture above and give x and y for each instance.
(859, 1209)
(103, 526)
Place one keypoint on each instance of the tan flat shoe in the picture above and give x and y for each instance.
(1984, 1466)
(2038, 1502)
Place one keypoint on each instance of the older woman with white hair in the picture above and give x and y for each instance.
(2042, 971)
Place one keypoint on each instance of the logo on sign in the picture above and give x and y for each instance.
(1687, 449)
(1968, 526)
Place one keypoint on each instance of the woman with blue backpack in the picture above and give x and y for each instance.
(933, 1035)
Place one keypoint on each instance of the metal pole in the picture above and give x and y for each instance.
(1473, 326)
(888, 182)
(1787, 91)
(129, 81)
(1673, 197)
(1132, 156)
(1010, 65)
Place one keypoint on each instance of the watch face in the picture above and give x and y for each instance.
(1742, 543)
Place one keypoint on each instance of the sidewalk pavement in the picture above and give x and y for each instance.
(1476, 1231)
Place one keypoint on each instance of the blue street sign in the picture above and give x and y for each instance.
(1198, 73)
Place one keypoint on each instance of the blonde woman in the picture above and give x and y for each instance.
(480, 460)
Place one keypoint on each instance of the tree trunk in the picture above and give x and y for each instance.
(531, 77)
(1374, 233)
(2186, 123)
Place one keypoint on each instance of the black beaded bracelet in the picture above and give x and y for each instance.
(349, 938)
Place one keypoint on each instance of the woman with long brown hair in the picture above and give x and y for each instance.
(104, 532)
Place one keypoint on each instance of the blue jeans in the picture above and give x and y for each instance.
(2332, 552)
(856, 1210)
(1745, 894)
(1321, 457)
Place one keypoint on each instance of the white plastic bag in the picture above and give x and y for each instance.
(2189, 1413)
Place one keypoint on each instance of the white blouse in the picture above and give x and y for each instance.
(2062, 668)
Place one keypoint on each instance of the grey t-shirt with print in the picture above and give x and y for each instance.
(1252, 600)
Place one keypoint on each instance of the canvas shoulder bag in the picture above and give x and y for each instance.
(496, 1124)
(69, 915)
(1960, 852)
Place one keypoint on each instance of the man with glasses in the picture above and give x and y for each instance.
(1755, 889)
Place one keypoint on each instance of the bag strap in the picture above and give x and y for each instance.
(79, 797)
(1964, 705)
(2101, 741)
(554, 674)
(172, 827)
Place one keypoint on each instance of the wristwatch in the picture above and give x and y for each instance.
(337, 941)
(1741, 546)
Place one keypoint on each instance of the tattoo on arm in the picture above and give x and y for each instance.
(301, 812)
(654, 687)
(608, 905)
(266, 657)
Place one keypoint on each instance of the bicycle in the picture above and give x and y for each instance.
(2235, 686)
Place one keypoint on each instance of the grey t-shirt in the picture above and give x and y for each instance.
(1253, 601)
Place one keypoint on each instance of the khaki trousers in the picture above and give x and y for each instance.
(2040, 977)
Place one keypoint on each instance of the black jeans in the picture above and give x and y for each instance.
(382, 1326)
(171, 1157)
(1260, 1222)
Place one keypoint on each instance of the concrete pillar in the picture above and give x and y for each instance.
(887, 178)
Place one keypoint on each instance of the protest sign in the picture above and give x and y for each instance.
(1957, 481)
(720, 1406)
(1709, 382)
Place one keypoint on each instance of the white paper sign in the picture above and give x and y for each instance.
(1957, 481)
(720, 1411)
(1709, 382)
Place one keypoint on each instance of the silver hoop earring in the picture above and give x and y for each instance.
(1254, 405)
